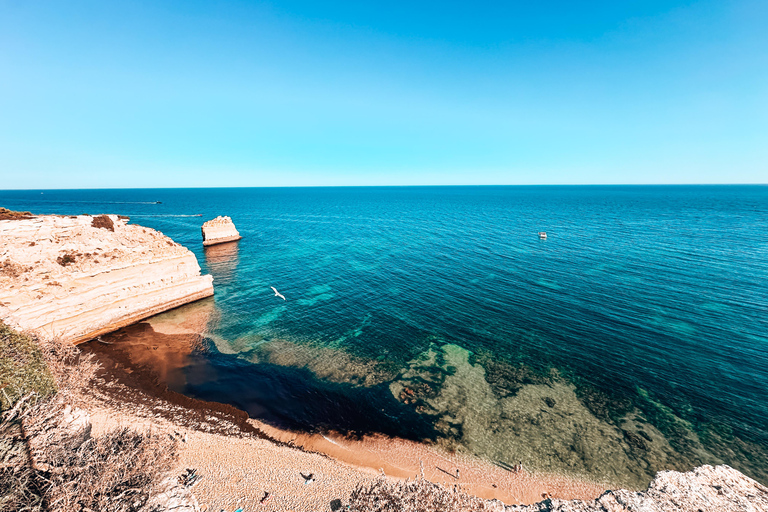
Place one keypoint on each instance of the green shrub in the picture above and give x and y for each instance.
(22, 368)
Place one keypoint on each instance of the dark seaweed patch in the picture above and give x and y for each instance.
(507, 378)
(635, 441)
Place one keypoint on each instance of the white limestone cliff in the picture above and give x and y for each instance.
(76, 278)
(703, 489)
(219, 230)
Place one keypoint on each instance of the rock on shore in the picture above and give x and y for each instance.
(79, 277)
(219, 230)
(704, 489)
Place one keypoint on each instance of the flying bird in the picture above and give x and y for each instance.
(277, 293)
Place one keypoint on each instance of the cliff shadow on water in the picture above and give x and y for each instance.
(503, 410)
(171, 353)
(630, 341)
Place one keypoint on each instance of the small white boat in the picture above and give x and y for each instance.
(542, 235)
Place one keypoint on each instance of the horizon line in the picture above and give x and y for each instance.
(402, 186)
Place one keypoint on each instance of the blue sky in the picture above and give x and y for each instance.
(187, 94)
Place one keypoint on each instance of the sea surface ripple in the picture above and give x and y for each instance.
(655, 296)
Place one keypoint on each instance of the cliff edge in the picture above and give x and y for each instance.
(219, 230)
(703, 489)
(76, 278)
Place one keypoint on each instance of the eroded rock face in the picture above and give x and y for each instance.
(219, 230)
(704, 489)
(75, 279)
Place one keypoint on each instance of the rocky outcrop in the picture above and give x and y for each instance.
(219, 230)
(704, 489)
(76, 278)
(173, 496)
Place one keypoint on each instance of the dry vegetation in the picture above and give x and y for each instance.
(103, 221)
(10, 269)
(66, 259)
(19, 488)
(49, 464)
(113, 472)
(6, 214)
(418, 495)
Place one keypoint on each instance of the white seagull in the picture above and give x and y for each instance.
(277, 293)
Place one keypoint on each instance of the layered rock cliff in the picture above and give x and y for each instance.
(219, 230)
(79, 277)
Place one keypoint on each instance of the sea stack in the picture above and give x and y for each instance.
(219, 230)
(75, 278)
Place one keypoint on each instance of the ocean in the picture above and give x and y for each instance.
(633, 339)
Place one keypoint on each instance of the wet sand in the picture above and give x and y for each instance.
(403, 459)
(241, 459)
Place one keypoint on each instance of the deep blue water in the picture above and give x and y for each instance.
(655, 296)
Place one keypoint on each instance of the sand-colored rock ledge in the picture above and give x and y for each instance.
(219, 230)
(79, 277)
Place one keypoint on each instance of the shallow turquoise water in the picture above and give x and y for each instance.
(651, 301)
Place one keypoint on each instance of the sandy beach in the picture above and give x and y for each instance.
(384, 256)
(400, 458)
(242, 461)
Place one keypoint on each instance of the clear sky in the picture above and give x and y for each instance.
(222, 93)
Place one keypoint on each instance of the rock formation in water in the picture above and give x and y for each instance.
(76, 278)
(219, 230)
(704, 489)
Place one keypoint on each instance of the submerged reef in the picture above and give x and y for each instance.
(502, 409)
(514, 413)
(544, 418)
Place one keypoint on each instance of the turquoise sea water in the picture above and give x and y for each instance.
(632, 339)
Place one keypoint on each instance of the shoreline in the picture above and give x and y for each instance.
(404, 459)
(75, 278)
(251, 470)
(246, 461)
(368, 456)
(96, 248)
